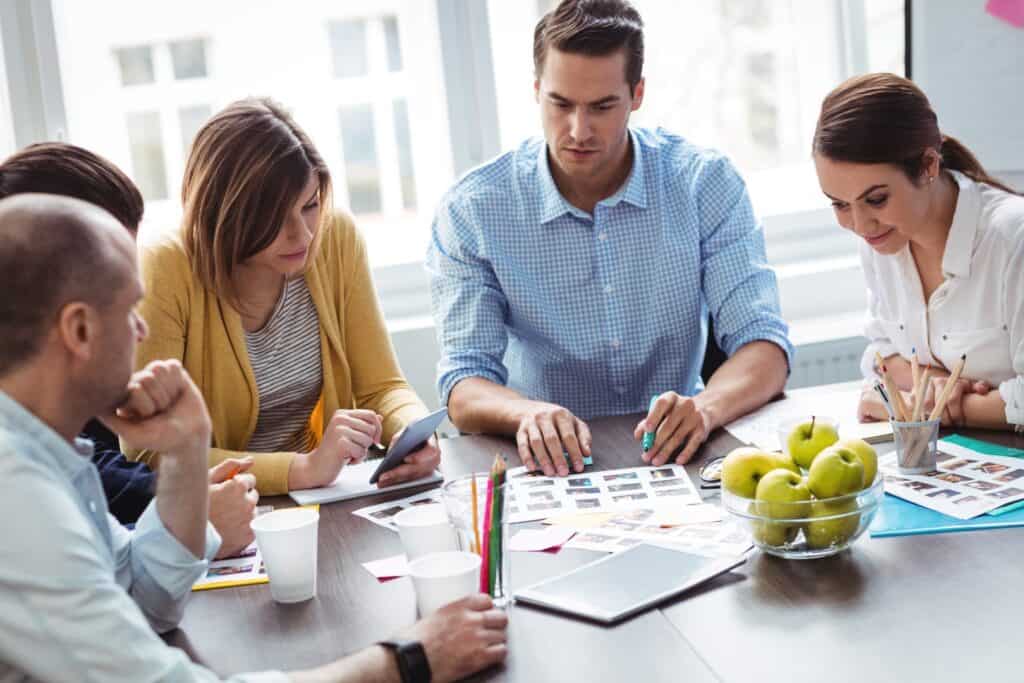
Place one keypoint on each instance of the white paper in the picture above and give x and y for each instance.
(538, 497)
(964, 484)
(641, 526)
(383, 514)
(538, 540)
(388, 567)
(839, 401)
(353, 482)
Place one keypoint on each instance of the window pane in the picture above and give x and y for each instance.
(147, 149)
(188, 58)
(136, 64)
(359, 149)
(393, 46)
(348, 48)
(404, 143)
(192, 119)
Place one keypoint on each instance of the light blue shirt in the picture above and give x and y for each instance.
(599, 312)
(80, 595)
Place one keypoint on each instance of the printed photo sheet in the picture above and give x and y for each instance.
(640, 526)
(536, 497)
(964, 484)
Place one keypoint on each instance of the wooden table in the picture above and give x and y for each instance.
(937, 607)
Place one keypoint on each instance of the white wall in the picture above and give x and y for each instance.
(971, 65)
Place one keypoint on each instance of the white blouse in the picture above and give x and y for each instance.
(978, 310)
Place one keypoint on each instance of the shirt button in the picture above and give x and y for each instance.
(616, 343)
(92, 506)
(607, 289)
(602, 236)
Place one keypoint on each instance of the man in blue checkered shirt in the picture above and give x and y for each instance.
(573, 277)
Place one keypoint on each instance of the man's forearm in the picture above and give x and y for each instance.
(372, 664)
(182, 491)
(479, 406)
(749, 379)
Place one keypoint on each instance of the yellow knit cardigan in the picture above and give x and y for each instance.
(189, 322)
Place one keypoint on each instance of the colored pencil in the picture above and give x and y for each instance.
(940, 403)
(894, 393)
(485, 551)
(476, 517)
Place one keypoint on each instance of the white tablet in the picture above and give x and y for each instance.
(623, 584)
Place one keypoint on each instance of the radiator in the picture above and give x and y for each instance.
(836, 360)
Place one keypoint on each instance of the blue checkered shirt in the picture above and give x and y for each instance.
(599, 312)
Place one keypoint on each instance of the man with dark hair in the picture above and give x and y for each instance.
(62, 169)
(575, 276)
(80, 596)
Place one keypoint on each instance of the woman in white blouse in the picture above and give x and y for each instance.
(942, 251)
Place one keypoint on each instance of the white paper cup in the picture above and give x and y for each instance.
(287, 539)
(425, 529)
(441, 578)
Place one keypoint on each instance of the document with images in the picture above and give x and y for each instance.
(383, 514)
(964, 484)
(713, 538)
(536, 497)
(760, 428)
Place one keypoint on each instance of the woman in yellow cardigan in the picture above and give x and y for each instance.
(266, 298)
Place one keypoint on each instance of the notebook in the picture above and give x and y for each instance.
(353, 482)
(898, 517)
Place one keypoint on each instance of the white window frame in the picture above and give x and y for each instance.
(816, 250)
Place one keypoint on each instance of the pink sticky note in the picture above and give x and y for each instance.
(389, 568)
(1011, 11)
(548, 540)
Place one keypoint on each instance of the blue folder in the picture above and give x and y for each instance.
(898, 517)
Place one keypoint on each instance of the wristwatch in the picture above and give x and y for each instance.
(412, 660)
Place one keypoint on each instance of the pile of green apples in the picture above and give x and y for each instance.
(779, 489)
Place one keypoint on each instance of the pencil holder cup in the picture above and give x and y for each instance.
(478, 534)
(916, 445)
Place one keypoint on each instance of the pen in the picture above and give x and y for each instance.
(648, 441)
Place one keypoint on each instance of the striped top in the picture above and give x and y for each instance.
(285, 359)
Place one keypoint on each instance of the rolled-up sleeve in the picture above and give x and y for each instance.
(63, 617)
(468, 304)
(739, 286)
(156, 569)
(1012, 390)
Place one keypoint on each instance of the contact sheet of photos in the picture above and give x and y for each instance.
(964, 484)
(625, 530)
(383, 514)
(538, 497)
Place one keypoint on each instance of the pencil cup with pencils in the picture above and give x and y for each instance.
(478, 508)
(916, 445)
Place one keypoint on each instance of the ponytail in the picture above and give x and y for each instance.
(956, 157)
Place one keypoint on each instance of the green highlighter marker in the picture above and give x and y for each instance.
(648, 441)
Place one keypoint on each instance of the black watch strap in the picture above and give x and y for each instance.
(411, 658)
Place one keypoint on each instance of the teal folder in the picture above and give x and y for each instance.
(898, 517)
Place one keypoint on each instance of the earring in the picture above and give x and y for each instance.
(931, 179)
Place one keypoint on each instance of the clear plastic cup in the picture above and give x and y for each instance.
(425, 529)
(457, 498)
(917, 445)
(287, 539)
(442, 578)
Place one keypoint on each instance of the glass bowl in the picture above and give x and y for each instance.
(807, 530)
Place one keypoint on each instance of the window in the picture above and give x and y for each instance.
(743, 76)
(140, 79)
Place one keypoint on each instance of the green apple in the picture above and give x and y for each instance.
(786, 462)
(867, 456)
(780, 494)
(808, 439)
(743, 468)
(829, 532)
(835, 472)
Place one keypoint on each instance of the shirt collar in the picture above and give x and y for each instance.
(956, 260)
(71, 460)
(554, 205)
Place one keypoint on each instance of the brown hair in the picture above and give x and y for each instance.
(51, 253)
(882, 118)
(71, 171)
(592, 27)
(245, 170)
